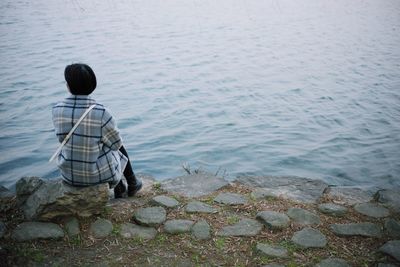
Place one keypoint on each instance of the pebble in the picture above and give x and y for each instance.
(372, 210)
(309, 238)
(245, 227)
(72, 226)
(151, 216)
(332, 209)
(272, 251)
(178, 226)
(230, 199)
(273, 219)
(303, 217)
(201, 230)
(101, 228)
(392, 228)
(130, 230)
(199, 207)
(333, 262)
(366, 229)
(392, 248)
(27, 231)
(165, 201)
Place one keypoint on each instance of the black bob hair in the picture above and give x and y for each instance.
(80, 78)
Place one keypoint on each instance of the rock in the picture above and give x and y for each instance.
(386, 265)
(274, 265)
(333, 262)
(165, 201)
(261, 193)
(392, 228)
(130, 230)
(289, 187)
(201, 230)
(178, 226)
(3, 229)
(26, 186)
(309, 238)
(391, 248)
(372, 210)
(55, 198)
(199, 207)
(272, 251)
(101, 228)
(350, 195)
(303, 217)
(72, 226)
(194, 185)
(230, 199)
(152, 216)
(7, 199)
(389, 197)
(332, 209)
(366, 229)
(273, 219)
(245, 227)
(27, 231)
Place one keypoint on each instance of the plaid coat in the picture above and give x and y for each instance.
(91, 156)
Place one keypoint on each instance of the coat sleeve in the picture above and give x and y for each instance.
(110, 133)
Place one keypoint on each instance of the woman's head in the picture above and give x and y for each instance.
(80, 78)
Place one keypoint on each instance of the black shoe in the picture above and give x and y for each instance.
(119, 190)
(133, 189)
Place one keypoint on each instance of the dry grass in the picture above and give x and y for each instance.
(184, 250)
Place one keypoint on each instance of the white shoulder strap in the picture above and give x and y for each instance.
(71, 132)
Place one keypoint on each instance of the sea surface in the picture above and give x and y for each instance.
(276, 87)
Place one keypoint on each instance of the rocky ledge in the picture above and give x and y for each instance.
(257, 221)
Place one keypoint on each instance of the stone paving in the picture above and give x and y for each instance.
(147, 219)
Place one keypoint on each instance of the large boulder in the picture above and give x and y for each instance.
(57, 199)
(289, 187)
(26, 186)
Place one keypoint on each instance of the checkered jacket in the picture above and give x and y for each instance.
(91, 156)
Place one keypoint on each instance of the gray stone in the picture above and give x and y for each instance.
(273, 219)
(6, 199)
(366, 229)
(289, 187)
(27, 231)
(372, 210)
(274, 265)
(389, 197)
(2, 229)
(165, 201)
(201, 230)
(101, 228)
(332, 209)
(391, 248)
(303, 217)
(178, 226)
(130, 230)
(350, 195)
(245, 227)
(272, 251)
(392, 228)
(199, 207)
(386, 265)
(72, 226)
(230, 199)
(194, 185)
(333, 262)
(261, 193)
(152, 216)
(26, 186)
(309, 238)
(55, 198)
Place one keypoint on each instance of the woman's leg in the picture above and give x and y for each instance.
(134, 185)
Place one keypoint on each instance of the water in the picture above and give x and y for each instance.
(308, 88)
